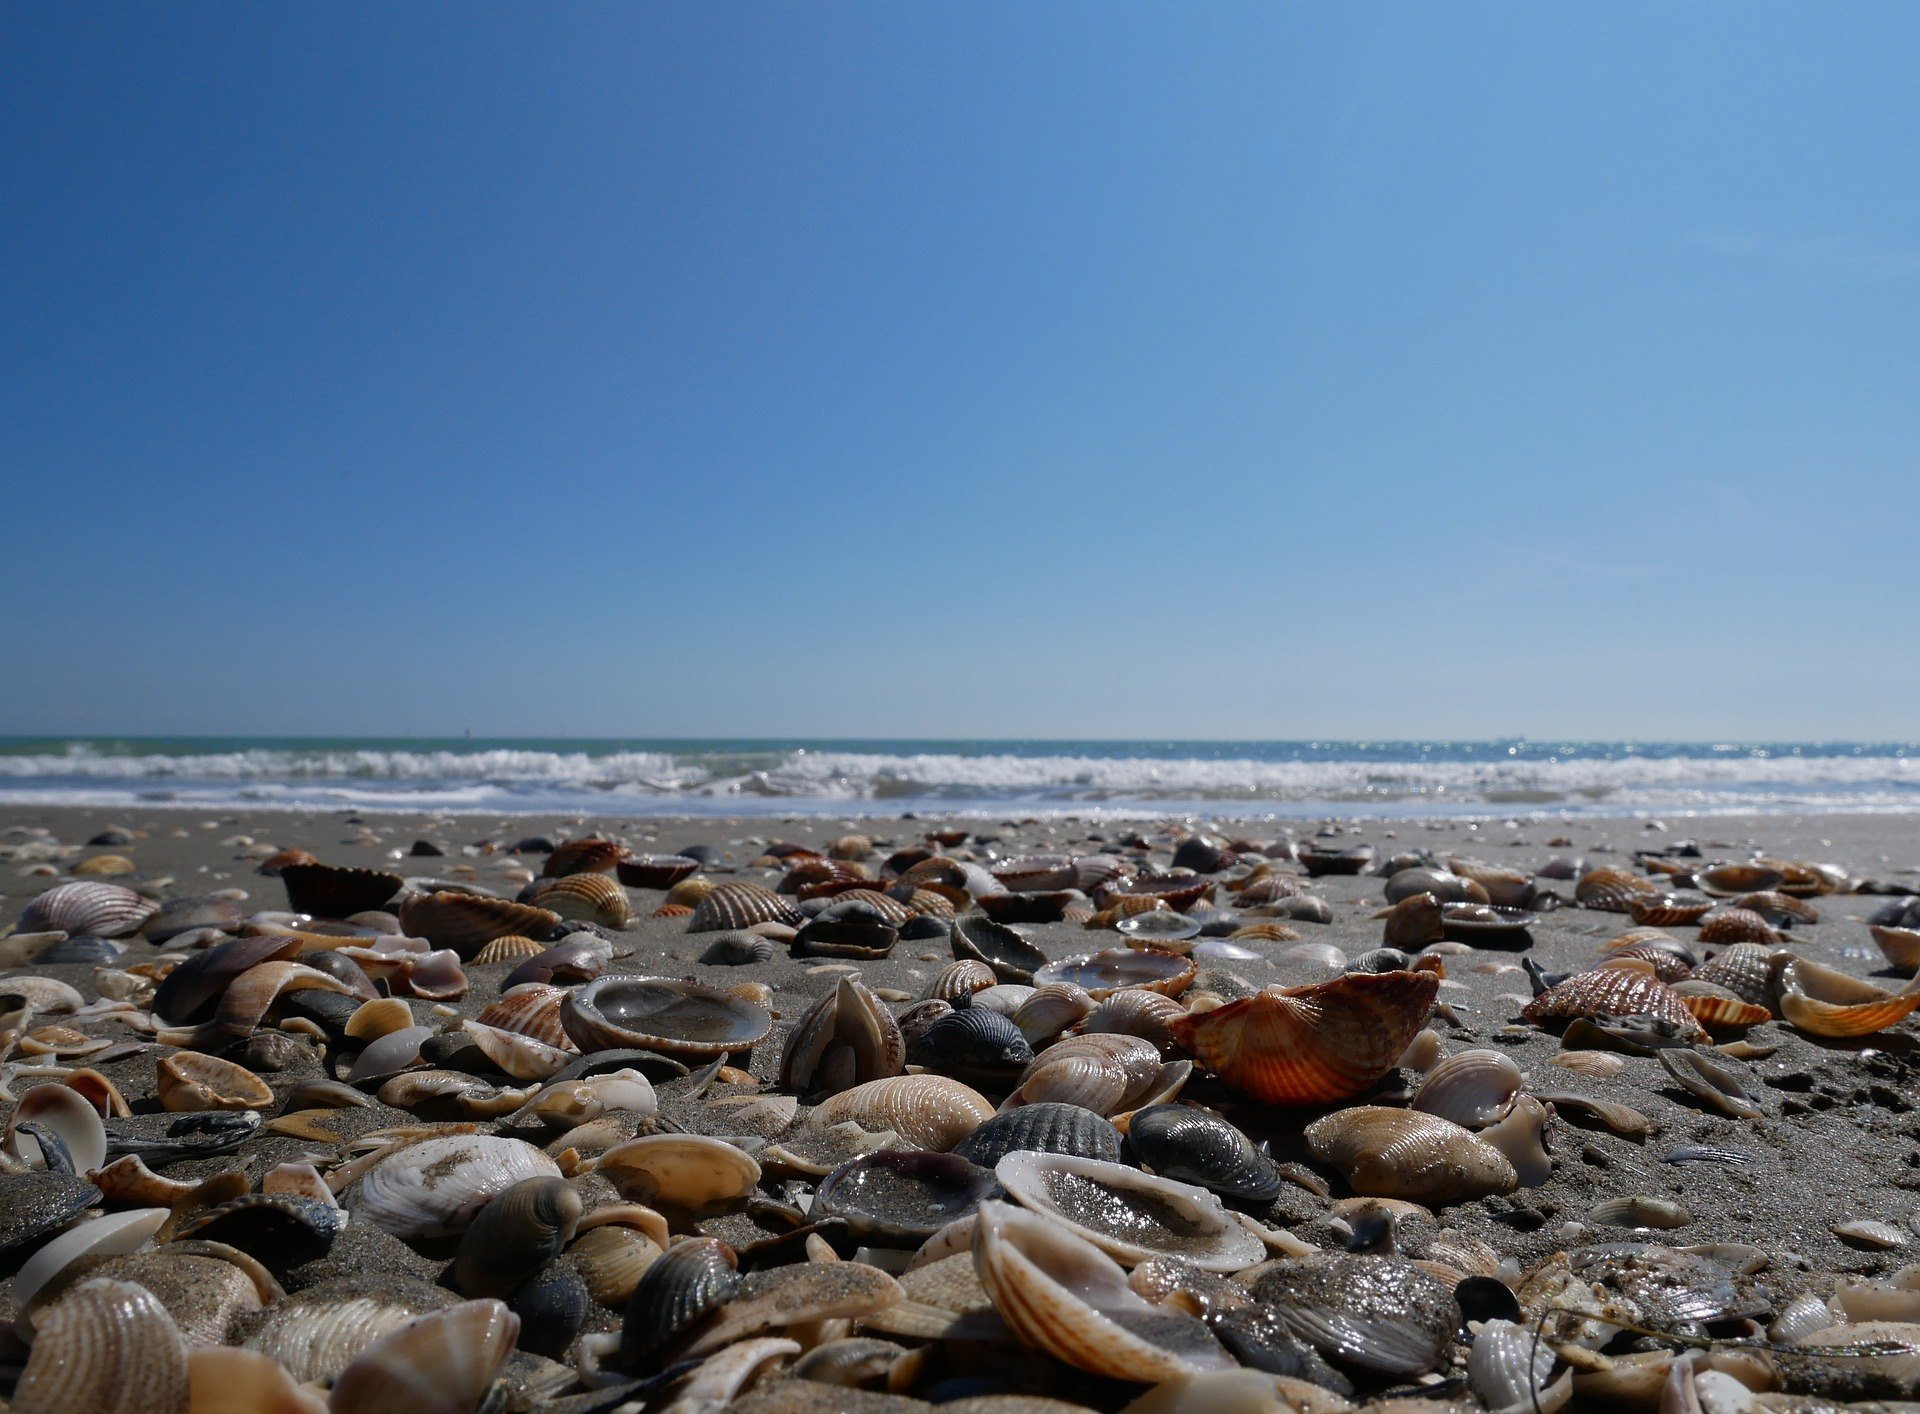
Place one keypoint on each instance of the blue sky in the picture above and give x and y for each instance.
(1054, 370)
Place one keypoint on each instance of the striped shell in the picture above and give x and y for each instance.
(588, 856)
(926, 1111)
(1745, 969)
(1042, 1128)
(741, 905)
(1775, 907)
(1612, 890)
(468, 922)
(108, 1347)
(1134, 1011)
(1271, 888)
(925, 903)
(674, 910)
(889, 908)
(591, 898)
(1664, 911)
(88, 909)
(811, 873)
(436, 1188)
(690, 891)
(317, 1333)
(1737, 925)
(1823, 1002)
(1667, 963)
(1718, 1009)
(1314, 1044)
(850, 847)
(655, 871)
(531, 1009)
(512, 948)
(1609, 993)
(935, 869)
(1471, 1088)
(1265, 933)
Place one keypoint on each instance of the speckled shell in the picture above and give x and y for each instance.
(926, 1111)
(468, 922)
(1609, 993)
(107, 1347)
(1612, 890)
(531, 1009)
(88, 909)
(328, 891)
(1737, 925)
(436, 1187)
(741, 905)
(1390, 1153)
(1314, 1044)
(586, 856)
(592, 898)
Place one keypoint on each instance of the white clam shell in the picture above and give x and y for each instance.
(1511, 1369)
(1473, 1088)
(436, 1187)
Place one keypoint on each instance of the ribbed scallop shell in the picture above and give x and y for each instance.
(1314, 1044)
(587, 856)
(329, 891)
(959, 979)
(1177, 889)
(1662, 911)
(690, 891)
(107, 1347)
(1612, 890)
(88, 909)
(1389, 1153)
(741, 905)
(1823, 1002)
(316, 1333)
(434, 1188)
(1043, 1128)
(441, 1363)
(1471, 1088)
(674, 910)
(1271, 888)
(811, 873)
(1036, 873)
(1510, 1368)
(1745, 969)
(925, 903)
(1729, 880)
(1051, 1010)
(1737, 925)
(926, 1111)
(1093, 1083)
(512, 948)
(531, 1009)
(1716, 1008)
(934, 869)
(655, 871)
(592, 898)
(1135, 1011)
(889, 908)
(1609, 993)
(1265, 933)
(468, 922)
(1666, 961)
(1775, 907)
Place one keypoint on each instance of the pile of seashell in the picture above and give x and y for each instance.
(416, 1144)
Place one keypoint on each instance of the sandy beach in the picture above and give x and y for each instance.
(1837, 1139)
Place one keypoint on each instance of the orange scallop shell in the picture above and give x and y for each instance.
(1311, 1045)
(674, 910)
(1611, 993)
(595, 898)
(1612, 889)
(1718, 1009)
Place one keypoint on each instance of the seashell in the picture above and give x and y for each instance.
(1728, 880)
(1512, 1371)
(1094, 1083)
(690, 1172)
(673, 910)
(1158, 928)
(972, 1041)
(1005, 998)
(1268, 888)
(1612, 890)
(1036, 873)
(1197, 1146)
(1442, 885)
(811, 873)
(282, 1230)
(389, 1055)
(1669, 961)
(1264, 933)
(112, 1235)
(1423, 1052)
(1413, 922)
(1868, 1232)
(1611, 1115)
(1610, 993)
(846, 1038)
(1900, 946)
(741, 905)
(328, 891)
(1388, 1153)
(738, 950)
(687, 1284)
(578, 957)
(1061, 1294)
(180, 916)
(1049, 906)
(1315, 1044)
(315, 1334)
(1045, 1128)
(43, 996)
(88, 909)
(850, 926)
(885, 907)
(569, 1104)
(583, 856)
(108, 1347)
(1745, 969)
(925, 903)
(1135, 1011)
(229, 1380)
(612, 1259)
(1378, 1314)
(1738, 925)
(655, 871)
(590, 898)
(1666, 910)
(1700, 1075)
(1103, 973)
(1011, 956)
(918, 1017)
(530, 1009)
(379, 1017)
(1640, 1210)
(1522, 1136)
(926, 1111)
(521, 1057)
(1320, 860)
(441, 1363)
(435, 1188)
(1823, 1002)
(1483, 925)
(1130, 1215)
(662, 1014)
(901, 1198)
(690, 891)
(1471, 1088)
(1780, 909)
(56, 1117)
(191, 1081)
(1718, 1009)
(1505, 888)
(468, 922)
(516, 1235)
(275, 863)
(192, 991)
(959, 980)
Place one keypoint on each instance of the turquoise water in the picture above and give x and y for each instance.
(771, 777)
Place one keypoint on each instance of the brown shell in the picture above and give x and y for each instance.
(889, 908)
(88, 909)
(850, 847)
(1717, 1009)
(328, 891)
(530, 1009)
(674, 910)
(1126, 906)
(1663, 911)
(1178, 889)
(1774, 901)
(1731, 880)
(468, 922)
(1314, 1044)
(1265, 933)
(1738, 925)
(1610, 993)
(592, 898)
(280, 859)
(691, 890)
(935, 869)
(1668, 965)
(511, 948)
(741, 905)
(1823, 1002)
(587, 856)
(1612, 890)
(925, 903)
(1270, 888)
(927, 1111)
(655, 871)
(191, 1081)
(809, 872)
(1745, 969)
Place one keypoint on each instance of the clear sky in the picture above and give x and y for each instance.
(1063, 369)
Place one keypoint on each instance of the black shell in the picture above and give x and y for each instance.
(183, 915)
(968, 1040)
(1012, 957)
(902, 1197)
(1045, 1128)
(847, 928)
(678, 1290)
(326, 891)
(281, 1230)
(1197, 1146)
(738, 950)
(655, 871)
(552, 1305)
(1049, 906)
(516, 1234)
(90, 952)
(1260, 1337)
(192, 991)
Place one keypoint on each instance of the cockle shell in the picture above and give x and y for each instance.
(1612, 890)
(88, 909)
(1738, 925)
(572, 1103)
(1609, 993)
(468, 922)
(655, 871)
(1745, 969)
(926, 1111)
(1315, 1044)
(1471, 1088)
(1729, 880)
(1103, 973)
(591, 898)
(515, 1235)
(316, 1333)
(1128, 1214)
(1380, 1314)
(1061, 1294)
(1055, 1007)
(1389, 1153)
(1823, 1002)
(1666, 911)
(522, 1057)
(67, 1119)
(110, 1235)
(1043, 1128)
(1135, 1011)
(435, 1188)
(741, 905)
(1036, 873)
(1000, 947)
(959, 980)
(1511, 1369)
(846, 1038)
(584, 856)
(1718, 1009)
(1131, 1063)
(108, 1347)
(1191, 1145)
(439, 1363)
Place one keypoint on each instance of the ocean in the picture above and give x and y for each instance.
(1241, 779)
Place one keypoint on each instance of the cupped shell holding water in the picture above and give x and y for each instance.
(661, 1014)
(900, 1198)
(189, 1080)
(1130, 1215)
(1389, 1153)
(1315, 1044)
(88, 909)
(1101, 974)
(435, 1188)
